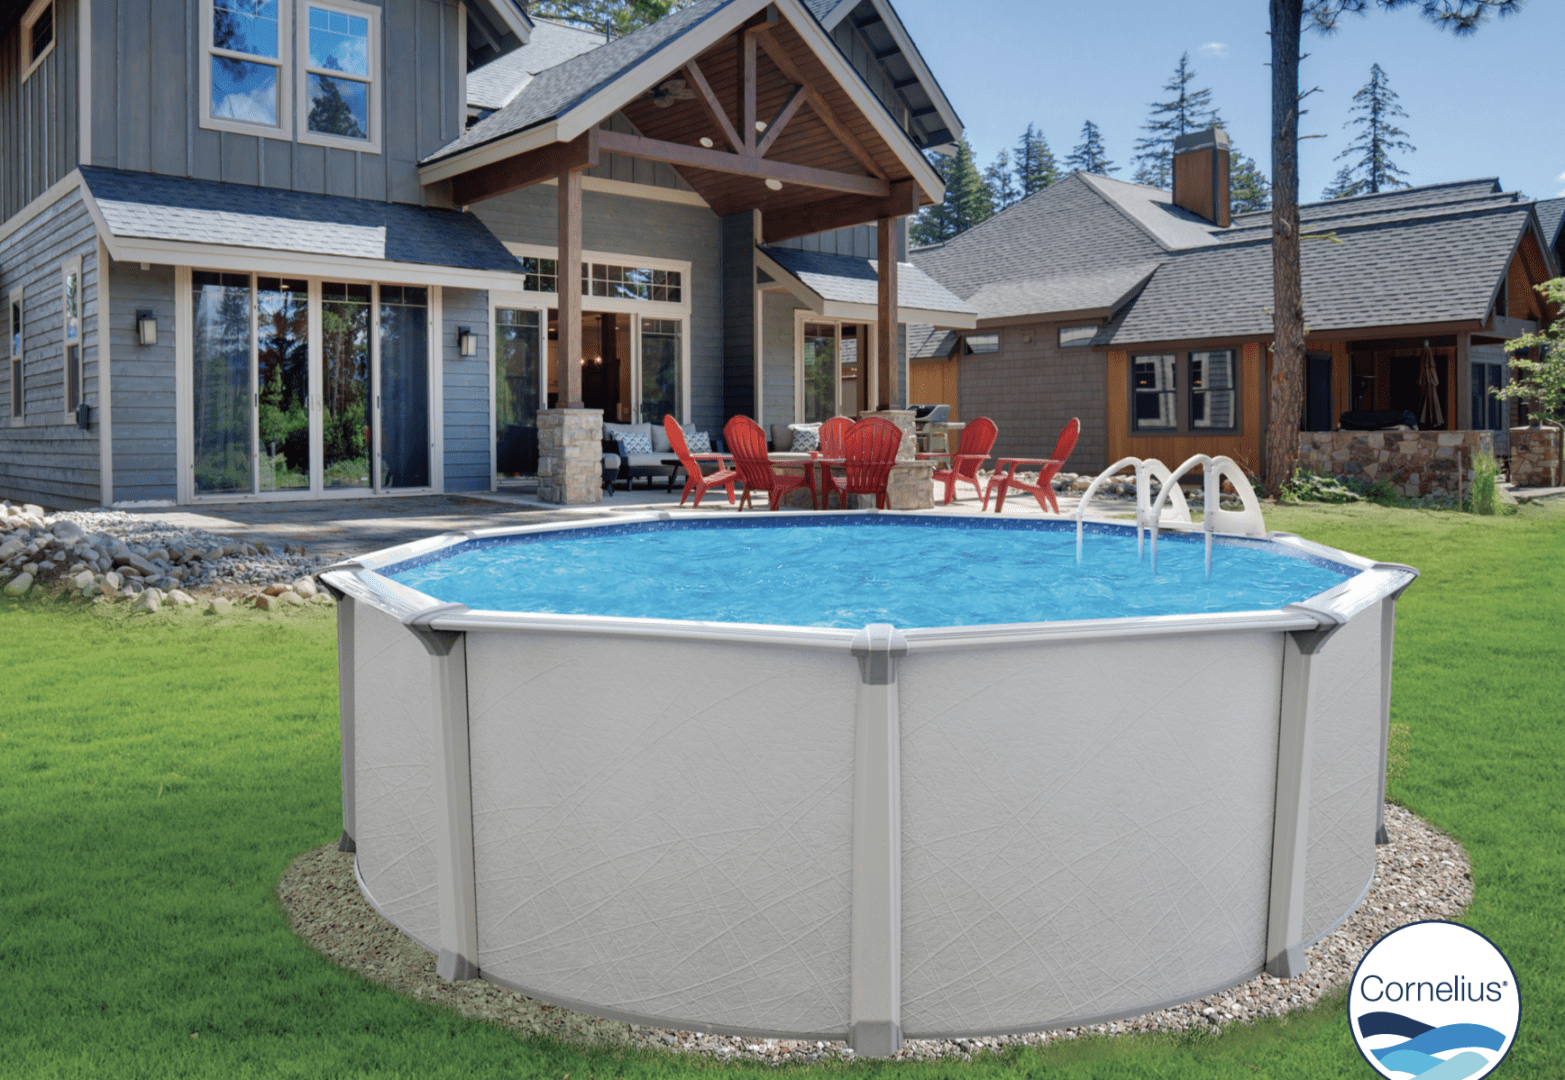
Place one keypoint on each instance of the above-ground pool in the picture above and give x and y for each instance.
(860, 775)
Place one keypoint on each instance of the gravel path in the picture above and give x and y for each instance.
(1421, 874)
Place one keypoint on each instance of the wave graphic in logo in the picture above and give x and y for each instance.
(1415, 1054)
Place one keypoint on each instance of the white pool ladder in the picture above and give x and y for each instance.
(1150, 513)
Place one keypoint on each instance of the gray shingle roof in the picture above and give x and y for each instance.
(553, 92)
(148, 206)
(925, 341)
(1153, 209)
(494, 84)
(1551, 215)
(849, 280)
(1441, 267)
(1061, 293)
(1070, 229)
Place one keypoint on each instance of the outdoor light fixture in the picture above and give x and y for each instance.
(706, 142)
(774, 183)
(147, 327)
(760, 126)
(466, 342)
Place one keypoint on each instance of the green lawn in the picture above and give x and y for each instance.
(157, 775)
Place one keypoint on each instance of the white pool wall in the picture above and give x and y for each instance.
(1063, 823)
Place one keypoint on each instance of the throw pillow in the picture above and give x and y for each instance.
(699, 443)
(635, 442)
(806, 437)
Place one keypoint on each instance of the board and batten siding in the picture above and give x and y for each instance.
(39, 128)
(465, 402)
(145, 431)
(647, 227)
(44, 457)
(146, 61)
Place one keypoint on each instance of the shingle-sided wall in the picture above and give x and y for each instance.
(650, 227)
(44, 457)
(465, 390)
(1031, 389)
(777, 365)
(144, 424)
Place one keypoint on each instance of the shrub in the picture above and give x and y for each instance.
(1485, 495)
(1308, 486)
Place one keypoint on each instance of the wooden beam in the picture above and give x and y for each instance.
(780, 121)
(747, 44)
(568, 275)
(524, 170)
(699, 157)
(714, 108)
(779, 56)
(839, 213)
(886, 306)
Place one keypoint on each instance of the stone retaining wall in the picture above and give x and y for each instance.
(1415, 462)
(1535, 457)
(570, 456)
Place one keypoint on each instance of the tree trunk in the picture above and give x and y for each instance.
(1286, 400)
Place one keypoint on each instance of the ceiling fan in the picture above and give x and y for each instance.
(669, 91)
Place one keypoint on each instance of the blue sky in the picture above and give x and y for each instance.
(1477, 106)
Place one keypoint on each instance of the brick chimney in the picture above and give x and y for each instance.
(1201, 174)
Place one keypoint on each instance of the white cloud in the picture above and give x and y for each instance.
(1213, 48)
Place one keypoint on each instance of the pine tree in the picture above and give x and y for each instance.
(967, 200)
(1343, 185)
(997, 180)
(330, 112)
(1377, 108)
(1089, 155)
(1188, 110)
(1036, 168)
(1248, 188)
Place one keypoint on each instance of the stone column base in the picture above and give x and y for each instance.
(570, 456)
(1535, 457)
(903, 418)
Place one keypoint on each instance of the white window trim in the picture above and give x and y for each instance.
(283, 130)
(17, 356)
(370, 145)
(71, 266)
(184, 393)
(651, 309)
(29, 61)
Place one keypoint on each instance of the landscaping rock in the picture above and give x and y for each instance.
(19, 585)
(147, 601)
(180, 597)
(68, 531)
(267, 603)
(276, 588)
(82, 580)
(305, 587)
(217, 605)
(292, 599)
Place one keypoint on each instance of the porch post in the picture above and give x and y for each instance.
(886, 309)
(568, 275)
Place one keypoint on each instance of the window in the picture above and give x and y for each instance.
(1071, 336)
(1153, 386)
(660, 353)
(542, 274)
(631, 282)
(37, 35)
(1488, 411)
(244, 85)
(14, 336)
(981, 343)
(819, 376)
(338, 105)
(70, 308)
(1214, 404)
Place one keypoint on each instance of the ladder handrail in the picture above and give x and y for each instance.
(1213, 470)
(1144, 469)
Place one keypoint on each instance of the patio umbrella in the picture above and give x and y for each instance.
(1429, 386)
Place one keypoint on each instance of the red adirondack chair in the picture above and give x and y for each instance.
(977, 440)
(832, 433)
(869, 451)
(695, 480)
(747, 445)
(1005, 471)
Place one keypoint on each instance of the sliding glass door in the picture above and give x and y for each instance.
(301, 388)
(518, 385)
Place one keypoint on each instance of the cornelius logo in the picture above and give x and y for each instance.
(1434, 1000)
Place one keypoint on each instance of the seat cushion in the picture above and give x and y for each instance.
(648, 461)
(660, 443)
(782, 438)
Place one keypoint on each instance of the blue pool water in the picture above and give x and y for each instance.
(846, 572)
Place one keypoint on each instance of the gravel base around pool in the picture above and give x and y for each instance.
(1420, 874)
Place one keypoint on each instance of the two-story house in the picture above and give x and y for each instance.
(271, 249)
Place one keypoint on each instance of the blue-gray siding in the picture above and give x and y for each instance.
(466, 391)
(144, 423)
(39, 129)
(614, 223)
(44, 457)
(777, 371)
(146, 75)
